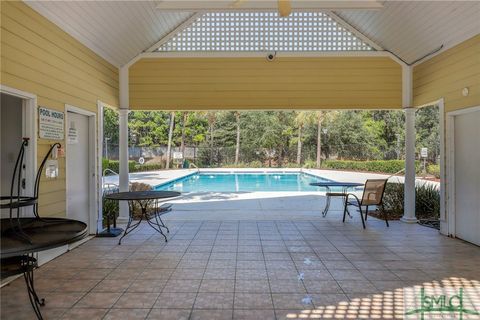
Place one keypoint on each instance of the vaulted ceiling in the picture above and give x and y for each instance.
(119, 30)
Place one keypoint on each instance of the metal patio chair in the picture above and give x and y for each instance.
(373, 192)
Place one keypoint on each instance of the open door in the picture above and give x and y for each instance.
(17, 120)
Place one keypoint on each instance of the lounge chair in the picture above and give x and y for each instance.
(372, 196)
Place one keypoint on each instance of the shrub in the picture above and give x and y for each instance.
(310, 164)
(148, 167)
(138, 186)
(255, 164)
(427, 200)
(233, 165)
(290, 165)
(114, 165)
(105, 163)
(383, 166)
(110, 209)
(434, 169)
(393, 199)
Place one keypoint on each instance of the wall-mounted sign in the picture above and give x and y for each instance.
(72, 133)
(51, 124)
(424, 152)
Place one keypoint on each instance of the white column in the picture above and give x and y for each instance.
(123, 161)
(410, 138)
(123, 140)
(409, 208)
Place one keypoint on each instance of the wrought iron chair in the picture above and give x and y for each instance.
(373, 192)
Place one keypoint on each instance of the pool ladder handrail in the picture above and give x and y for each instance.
(109, 170)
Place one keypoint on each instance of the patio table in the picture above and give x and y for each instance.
(17, 254)
(332, 184)
(144, 200)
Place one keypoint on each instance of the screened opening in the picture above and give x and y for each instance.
(265, 31)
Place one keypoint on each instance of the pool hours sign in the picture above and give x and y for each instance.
(51, 124)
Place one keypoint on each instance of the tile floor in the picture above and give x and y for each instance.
(288, 269)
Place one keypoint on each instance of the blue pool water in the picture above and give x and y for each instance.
(241, 181)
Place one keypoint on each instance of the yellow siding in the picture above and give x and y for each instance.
(40, 58)
(445, 75)
(255, 83)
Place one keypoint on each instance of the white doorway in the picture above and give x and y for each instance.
(17, 121)
(81, 166)
(464, 171)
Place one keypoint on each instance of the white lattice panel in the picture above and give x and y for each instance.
(265, 31)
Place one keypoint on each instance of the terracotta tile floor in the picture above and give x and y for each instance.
(319, 269)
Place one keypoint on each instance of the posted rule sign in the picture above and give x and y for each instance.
(51, 124)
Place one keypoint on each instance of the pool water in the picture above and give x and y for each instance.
(242, 181)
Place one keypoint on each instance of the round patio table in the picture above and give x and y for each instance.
(144, 200)
(21, 238)
(332, 184)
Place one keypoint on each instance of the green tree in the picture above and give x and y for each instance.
(428, 134)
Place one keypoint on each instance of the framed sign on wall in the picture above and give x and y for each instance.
(51, 124)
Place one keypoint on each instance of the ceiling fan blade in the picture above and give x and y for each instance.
(284, 8)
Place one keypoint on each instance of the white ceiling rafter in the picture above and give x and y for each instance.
(353, 30)
(174, 32)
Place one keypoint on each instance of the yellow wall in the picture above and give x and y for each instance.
(40, 58)
(445, 75)
(255, 83)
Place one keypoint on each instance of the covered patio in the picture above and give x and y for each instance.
(250, 270)
(231, 256)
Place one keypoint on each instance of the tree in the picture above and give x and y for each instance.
(110, 125)
(428, 134)
(279, 137)
(319, 115)
(299, 121)
(212, 118)
(170, 133)
(184, 126)
(237, 147)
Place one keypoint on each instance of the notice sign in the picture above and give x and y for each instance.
(424, 152)
(72, 133)
(177, 155)
(51, 124)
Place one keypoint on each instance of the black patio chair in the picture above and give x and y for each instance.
(373, 192)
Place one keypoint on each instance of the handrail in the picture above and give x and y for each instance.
(193, 165)
(396, 173)
(109, 187)
(109, 170)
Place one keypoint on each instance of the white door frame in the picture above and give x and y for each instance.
(92, 162)
(450, 152)
(100, 108)
(29, 130)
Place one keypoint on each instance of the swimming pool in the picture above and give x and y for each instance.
(243, 181)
